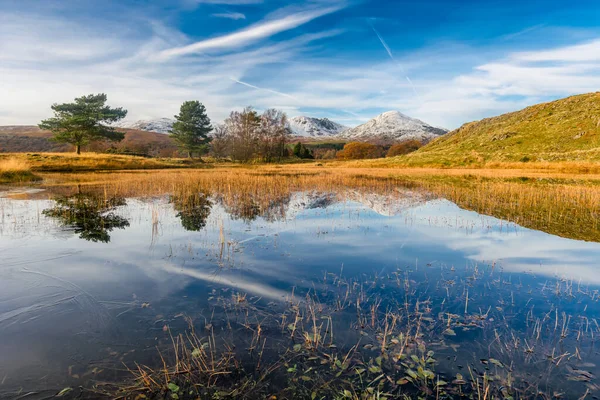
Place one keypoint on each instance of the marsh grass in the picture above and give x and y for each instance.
(417, 332)
(14, 170)
(69, 162)
(562, 204)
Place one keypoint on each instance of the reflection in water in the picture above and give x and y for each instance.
(193, 211)
(90, 215)
(449, 281)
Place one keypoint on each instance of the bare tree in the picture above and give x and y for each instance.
(220, 145)
(273, 135)
(243, 129)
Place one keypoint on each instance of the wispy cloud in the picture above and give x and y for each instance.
(265, 89)
(389, 51)
(261, 30)
(304, 73)
(230, 15)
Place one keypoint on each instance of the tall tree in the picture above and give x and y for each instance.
(273, 134)
(191, 128)
(83, 121)
(244, 129)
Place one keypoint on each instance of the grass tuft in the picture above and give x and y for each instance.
(16, 170)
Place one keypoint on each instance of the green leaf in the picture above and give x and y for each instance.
(196, 353)
(411, 373)
(173, 387)
(297, 347)
(64, 391)
(496, 362)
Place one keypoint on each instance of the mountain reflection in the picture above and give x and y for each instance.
(193, 211)
(89, 215)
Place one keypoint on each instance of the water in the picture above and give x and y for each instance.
(88, 290)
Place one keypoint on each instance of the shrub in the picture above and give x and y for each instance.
(402, 148)
(360, 151)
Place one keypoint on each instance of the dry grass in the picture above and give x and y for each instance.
(14, 165)
(15, 170)
(65, 162)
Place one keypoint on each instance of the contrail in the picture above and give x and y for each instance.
(285, 94)
(265, 89)
(389, 51)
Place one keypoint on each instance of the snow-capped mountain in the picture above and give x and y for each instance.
(160, 125)
(393, 125)
(315, 127)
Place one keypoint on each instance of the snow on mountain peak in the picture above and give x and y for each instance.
(393, 125)
(160, 125)
(315, 127)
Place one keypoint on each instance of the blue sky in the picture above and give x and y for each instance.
(445, 62)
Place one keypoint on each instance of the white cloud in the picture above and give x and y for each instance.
(582, 52)
(230, 15)
(41, 64)
(252, 34)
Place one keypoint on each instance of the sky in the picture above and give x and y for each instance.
(446, 62)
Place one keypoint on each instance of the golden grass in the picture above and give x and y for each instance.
(15, 170)
(14, 165)
(65, 162)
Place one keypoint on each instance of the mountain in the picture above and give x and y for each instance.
(563, 130)
(159, 125)
(31, 139)
(394, 126)
(315, 127)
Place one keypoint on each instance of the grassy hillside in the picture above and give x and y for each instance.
(562, 130)
(25, 138)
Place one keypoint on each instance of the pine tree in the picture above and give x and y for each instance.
(297, 150)
(191, 128)
(82, 122)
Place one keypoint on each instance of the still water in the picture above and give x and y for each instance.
(88, 291)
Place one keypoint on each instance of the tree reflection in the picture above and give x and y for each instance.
(193, 211)
(90, 215)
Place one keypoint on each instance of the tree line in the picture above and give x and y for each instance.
(244, 136)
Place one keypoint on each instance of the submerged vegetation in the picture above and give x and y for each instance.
(417, 332)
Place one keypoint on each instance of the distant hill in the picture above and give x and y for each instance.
(562, 130)
(159, 125)
(31, 139)
(393, 126)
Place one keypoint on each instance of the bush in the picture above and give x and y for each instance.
(400, 149)
(360, 151)
(301, 151)
(324, 154)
